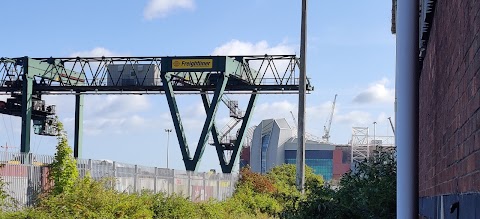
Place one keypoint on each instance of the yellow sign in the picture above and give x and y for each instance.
(192, 63)
(224, 183)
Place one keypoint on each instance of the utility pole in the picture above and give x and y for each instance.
(168, 141)
(300, 180)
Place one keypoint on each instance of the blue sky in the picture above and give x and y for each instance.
(351, 53)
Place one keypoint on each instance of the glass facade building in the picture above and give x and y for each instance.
(321, 161)
(265, 142)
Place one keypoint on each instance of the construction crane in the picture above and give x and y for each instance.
(391, 124)
(326, 128)
(294, 120)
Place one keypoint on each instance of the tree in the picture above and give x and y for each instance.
(284, 179)
(367, 192)
(63, 171)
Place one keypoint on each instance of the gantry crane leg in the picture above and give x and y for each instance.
(237, 147)
(78, 140)
(192, 163)
(27, 96)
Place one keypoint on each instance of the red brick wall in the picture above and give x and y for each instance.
(449, 129)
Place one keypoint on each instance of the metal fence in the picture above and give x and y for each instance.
(26, 174)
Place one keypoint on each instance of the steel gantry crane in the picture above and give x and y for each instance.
(27, 79)
(328, 123)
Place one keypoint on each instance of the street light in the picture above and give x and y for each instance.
(168, 141)
(374, 131)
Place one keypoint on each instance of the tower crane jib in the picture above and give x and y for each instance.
(328, 124)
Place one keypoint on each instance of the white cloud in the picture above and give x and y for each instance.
(354, 118)
(107, 114)
(118, 114)
(161, 8)
(377, 92)
(96, 52)
(115, 125)
(117, 105)
(274, 110)
(236, 47)
(320, 112)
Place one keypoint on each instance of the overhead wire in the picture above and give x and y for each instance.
(6, 129)
(13, 133)
(36, 148)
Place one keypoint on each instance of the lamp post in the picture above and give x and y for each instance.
(168, 141)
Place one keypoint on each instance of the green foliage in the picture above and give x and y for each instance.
(247, 199)
(254, 193)
(370, 191)
(284, 178)
(258, 182)
(174, 206)
(367, 192)
(95, 199)
(6, 201)
(3, 194)
(63, 171)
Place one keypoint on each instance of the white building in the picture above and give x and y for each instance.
(274, 143)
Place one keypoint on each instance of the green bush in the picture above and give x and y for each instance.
(367, 192)
(95, 199)
(174, 206)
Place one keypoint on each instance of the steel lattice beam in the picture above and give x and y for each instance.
(89, 75)
(158, 75)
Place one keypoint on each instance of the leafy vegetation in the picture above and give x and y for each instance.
(368, 192)
(6, 202)
(63, 171)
